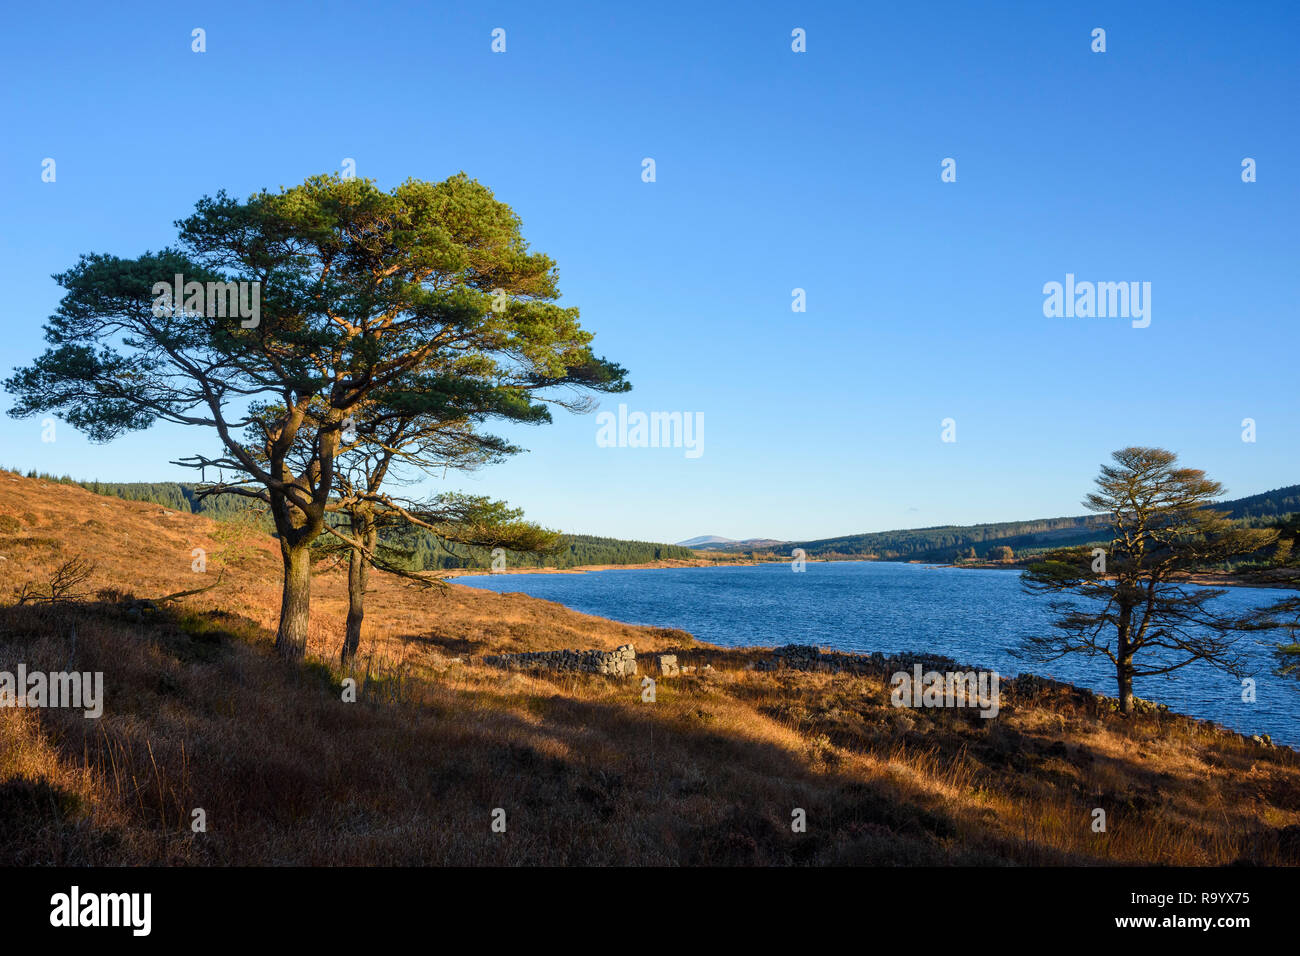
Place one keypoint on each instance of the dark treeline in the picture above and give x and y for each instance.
(177, 497)
(1271, 504)
(428, 552)
(1275, 508)
(947, 542)
(422, 550)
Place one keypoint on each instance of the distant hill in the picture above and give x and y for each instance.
(946, 542)
(1270, 504)
(710, 543)
(706, 540)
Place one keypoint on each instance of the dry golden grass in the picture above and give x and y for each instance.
(201, 714)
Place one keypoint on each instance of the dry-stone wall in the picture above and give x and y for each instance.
(620, 662)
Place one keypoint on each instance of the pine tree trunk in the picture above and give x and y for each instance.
(1124, 662)
(1124, 674)
(295, 602)
(358, 574)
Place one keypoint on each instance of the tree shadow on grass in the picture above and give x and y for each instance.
(290, 773)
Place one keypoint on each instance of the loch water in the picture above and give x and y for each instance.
(975, 616)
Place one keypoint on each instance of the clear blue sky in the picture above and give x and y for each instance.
(775, 170)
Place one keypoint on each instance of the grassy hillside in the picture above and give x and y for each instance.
(200, 713)
(428, 551)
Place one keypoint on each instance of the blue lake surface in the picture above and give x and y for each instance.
(974, 616)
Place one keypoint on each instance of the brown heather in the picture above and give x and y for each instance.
(200, 713)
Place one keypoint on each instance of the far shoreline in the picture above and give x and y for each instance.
(1224, 579)
(584, 568)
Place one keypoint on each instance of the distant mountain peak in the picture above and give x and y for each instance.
(704, 539)
(713, 542)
